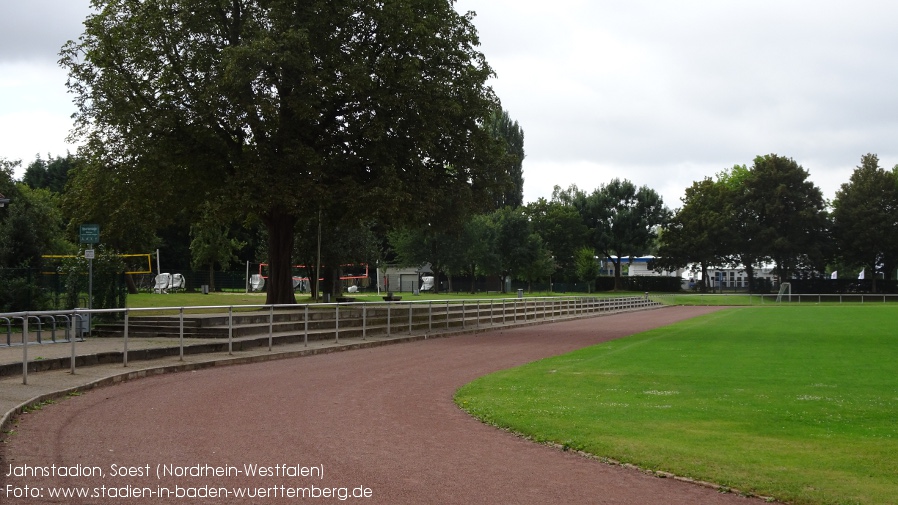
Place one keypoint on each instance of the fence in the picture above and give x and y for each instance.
(308, 321)
(770, 299)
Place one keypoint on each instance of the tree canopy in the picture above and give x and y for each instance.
(865, 218)
(623, 220)
(787, 212)
(363, 109)
(702, 231)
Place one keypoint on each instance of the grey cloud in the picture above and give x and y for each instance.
(36, 30)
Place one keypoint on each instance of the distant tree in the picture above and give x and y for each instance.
(786, 213)
(587, 266)
(510, 137)
(514, 251)
(572, 196)
(415, 247)
(341, 244)
(865, 218)
(623, 220)
(701, 231)
(31, 227)
(211, 243)
(52, 173)
(744, 247)
(563, 231)
(540, 264)
(479, 254)
(360, 110)
(7, 182)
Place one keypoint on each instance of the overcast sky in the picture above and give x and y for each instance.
(661, 93)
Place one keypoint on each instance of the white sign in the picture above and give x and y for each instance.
(89, 254)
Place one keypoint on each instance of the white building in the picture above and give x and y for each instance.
(643, 266)
(402, 279)
(734, 277)
(730, 278)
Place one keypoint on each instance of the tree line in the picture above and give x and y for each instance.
(770, 212)
(745, 216)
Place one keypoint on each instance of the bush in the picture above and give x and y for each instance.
(109, 289)
(21, 291)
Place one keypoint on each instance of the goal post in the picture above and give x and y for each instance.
(785, 289)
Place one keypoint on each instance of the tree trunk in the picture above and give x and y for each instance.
(212, 277)
(704, 284)
(616, 273)
(750, 272)
(437, 274)
(473, 279)
(873, 280)
(132, 286)
(330, 282)
(280, 257)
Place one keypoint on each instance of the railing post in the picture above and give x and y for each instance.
(25, 349)
(72, 341)
(388, 319)
(447, 314)
(181, 333)
(305, 319)
(231, 330)
(364, 320)
(410, 309)
(40, 340)
(337, 323)
(125, 344)
(430, 316)
(463, 322)
(270, 327)
(477, 324)
(52, 329)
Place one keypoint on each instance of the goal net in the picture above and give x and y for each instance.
(785, 289)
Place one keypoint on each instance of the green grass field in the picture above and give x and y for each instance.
(795, 402)
(743, 299)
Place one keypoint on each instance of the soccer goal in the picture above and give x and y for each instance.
(785, 289)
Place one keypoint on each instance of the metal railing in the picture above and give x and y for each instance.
(737, 299)
(321, 321)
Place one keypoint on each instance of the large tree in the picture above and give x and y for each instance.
(350, 108)
(785, 214)
(561, 227)
(623, 220)
(701, 231)
(865, 218)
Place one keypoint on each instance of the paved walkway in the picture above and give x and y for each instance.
(100, 362)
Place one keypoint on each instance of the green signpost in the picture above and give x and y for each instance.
(90, 234)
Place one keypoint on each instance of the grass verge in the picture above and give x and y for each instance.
(796, 402)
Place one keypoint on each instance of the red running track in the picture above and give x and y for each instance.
(380, 419)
